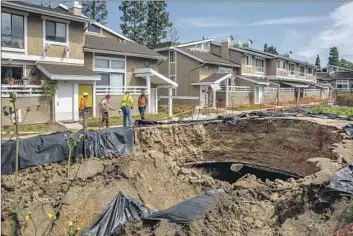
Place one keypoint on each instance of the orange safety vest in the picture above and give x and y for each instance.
(83, 104)
(141, 101)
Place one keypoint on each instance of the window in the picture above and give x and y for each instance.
(260, 66)
(94, 29)
(302, 71)
(171, 56)
(291, 69)
(206, 46)
(310, 71)
(55, 31)
(172, 77)
(248, 60)
(12, 30)
(281, 64)
(199, 45)
(109, 63)
(111, 79)
(342, 84)
(11, 72)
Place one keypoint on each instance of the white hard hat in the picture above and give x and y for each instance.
(85, 94)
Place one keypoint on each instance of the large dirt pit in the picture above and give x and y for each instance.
(172, 163)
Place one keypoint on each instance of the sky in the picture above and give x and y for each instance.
(305, 28)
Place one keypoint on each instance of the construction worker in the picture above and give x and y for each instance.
(105, 107)
(142, 104)
(126, 106)
(84, 110)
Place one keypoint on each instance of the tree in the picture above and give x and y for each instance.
(173, 34)
(134, 20)
(346, 64)
(95, 10)
(157, 22)
(317, 62)
(333, 58)
(265, 47)
(272, 49)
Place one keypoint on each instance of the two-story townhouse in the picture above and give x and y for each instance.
(337, 78)
(124, 66)
(261, 69)
(60, 44)
(202, 77)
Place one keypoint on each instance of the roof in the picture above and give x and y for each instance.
(213, 79)
(254, 80)
(111, 31)
(323, 76)
(170, 45)
(67, 72)
(206, 57)
(245, 51)
(113, 45)
(156, 78)
(55, 12)
(296, 85)
(194, 42)
(343, 75)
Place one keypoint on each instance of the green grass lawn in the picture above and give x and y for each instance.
(31, 129)
(118, 120)
(340, 111)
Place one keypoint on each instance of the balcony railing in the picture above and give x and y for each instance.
(22, 90)
(270, 90)
(120, 90)
(259, 69)
(236, 88)
(286, 90)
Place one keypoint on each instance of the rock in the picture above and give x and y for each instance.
(249, 220)
(236, 167)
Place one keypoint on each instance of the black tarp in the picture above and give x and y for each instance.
(120, 211)
(46, 149)
(187, 210)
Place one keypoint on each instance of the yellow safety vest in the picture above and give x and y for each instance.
(126, 100)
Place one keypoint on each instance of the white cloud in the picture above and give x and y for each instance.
(338, 33)
(289, 21)
(206, 22)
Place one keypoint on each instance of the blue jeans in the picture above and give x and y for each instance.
(142, 112)
(127, 114)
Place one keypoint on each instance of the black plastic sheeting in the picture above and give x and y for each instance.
(46, 149)
(124, 209)
(187, 210)
(120, 211)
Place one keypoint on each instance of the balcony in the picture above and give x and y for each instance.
(120, 90)
(22, 90)
(235, 88)
(260, 70)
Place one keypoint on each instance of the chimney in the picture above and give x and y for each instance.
(225, 49)
(76, 9)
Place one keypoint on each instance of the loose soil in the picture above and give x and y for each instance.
(155, 174)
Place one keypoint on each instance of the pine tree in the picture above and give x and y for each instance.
(333, 58)
(265, 47)
(272, 49)
(134, 20)
(346, 64)
(317, 62)
(157, 22)
(95, 10)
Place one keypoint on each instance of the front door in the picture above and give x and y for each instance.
(204, 95)
(86, 88)
(64, 102)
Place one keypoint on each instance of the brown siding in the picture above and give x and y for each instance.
(40, 110)
(187, 74)
(35, 34)
(240, 82)
(215, 49)
(137, 63)
(271, 67)
(108, 34)
(172, 68)
(236, 57)
(247, 69)
(35, 39)
(89, 60)
(208, 70)
(163, 67)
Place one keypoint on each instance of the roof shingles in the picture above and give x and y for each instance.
(214, 77)
(208, 57)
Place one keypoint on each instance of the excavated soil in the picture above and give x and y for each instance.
(155, 174)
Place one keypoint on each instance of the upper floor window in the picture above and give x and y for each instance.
(260, 65)
(94, 29)
(203, 46)
(106, 63)
(199, 45)
(171, 56)
(248, 60)
(11, 73)
(342, 84)
(310, 71)
(172, 77)
(302, 71)
(55, 31)
(291, 69)
(12, 30)
(281, 64)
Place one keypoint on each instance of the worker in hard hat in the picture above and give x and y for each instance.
(126, 106)
(142, 104)
(84, 109)
(105, 107)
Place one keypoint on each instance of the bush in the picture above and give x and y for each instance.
(344, 100)
(340, 111)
